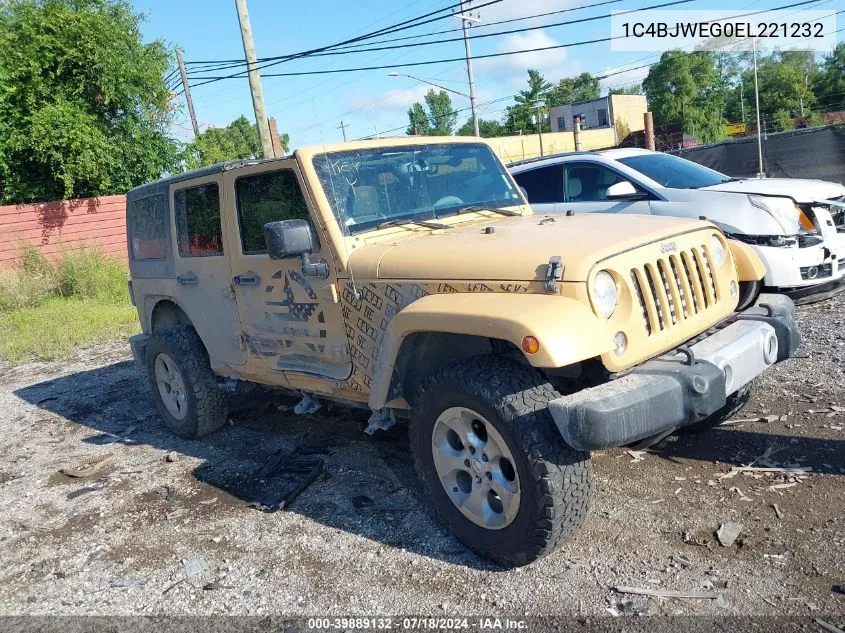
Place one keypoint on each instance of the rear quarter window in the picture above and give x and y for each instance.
(146, 223)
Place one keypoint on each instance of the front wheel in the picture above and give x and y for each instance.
(493, 462)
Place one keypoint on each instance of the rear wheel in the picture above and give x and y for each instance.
(493, 462)
(183, 385)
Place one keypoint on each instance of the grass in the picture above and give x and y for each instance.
(50, 309)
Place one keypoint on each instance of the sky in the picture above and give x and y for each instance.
(311, 108)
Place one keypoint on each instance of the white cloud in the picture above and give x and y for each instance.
(511, 69)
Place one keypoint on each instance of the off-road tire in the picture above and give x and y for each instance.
(734, 404)
(555, 479)
(207, 407)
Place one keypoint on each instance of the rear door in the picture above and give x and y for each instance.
(544, 187)
(203, 277)
(291, 320)
(585, 190)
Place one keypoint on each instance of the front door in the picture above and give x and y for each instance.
(585, 190)
(291, 320)
(203, 278)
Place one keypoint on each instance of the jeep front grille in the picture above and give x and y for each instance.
(675, 288)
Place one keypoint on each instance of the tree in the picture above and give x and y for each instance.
(520, 117)
(785, 86)
(584, 87)
(829, 82)
(84, 110)
(687, 88)
(238, 140)
(438, 120)
(487, 129)
(633, 89)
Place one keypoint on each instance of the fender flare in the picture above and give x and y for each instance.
(568, 330)
(749, 266)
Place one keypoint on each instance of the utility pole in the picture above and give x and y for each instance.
(742, 100)
(540, 126)
(464, 25)
(760, 173)
(254, 80)
(343, 127)
(187, 90)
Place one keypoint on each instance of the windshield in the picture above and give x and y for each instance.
(674, 172)
(366, 188)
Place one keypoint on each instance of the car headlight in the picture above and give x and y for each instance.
(785, 212)
(717, 251)
(605, 294)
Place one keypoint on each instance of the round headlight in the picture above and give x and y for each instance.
(717, 251)
(605, 294)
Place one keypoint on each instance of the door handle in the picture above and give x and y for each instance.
(187, 279)
(247, 280)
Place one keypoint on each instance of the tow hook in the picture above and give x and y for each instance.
(554, 273)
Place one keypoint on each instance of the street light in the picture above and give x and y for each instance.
(431, 83)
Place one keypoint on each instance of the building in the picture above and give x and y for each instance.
(625, 111)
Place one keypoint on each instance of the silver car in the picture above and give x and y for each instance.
(796, 226)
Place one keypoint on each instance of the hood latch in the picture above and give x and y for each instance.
(554, 273)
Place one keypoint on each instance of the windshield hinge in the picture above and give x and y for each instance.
(554, 274)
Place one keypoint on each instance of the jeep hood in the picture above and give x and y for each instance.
(801, 190)
(517, 249)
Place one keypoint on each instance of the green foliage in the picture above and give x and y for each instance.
(584, 87)
(436, 118)
(521, 116)
(785, 86)
(829, 82)
(487, 129)
(634, 89)
(688, 88)
(84, 110)
(237, 141)
(81, 274)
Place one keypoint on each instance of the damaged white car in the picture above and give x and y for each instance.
(796, 226)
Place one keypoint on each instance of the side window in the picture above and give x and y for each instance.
(588, 182)
(602, 117)
(267, 197)
(146, 220)
(543, 184)
(198, 221)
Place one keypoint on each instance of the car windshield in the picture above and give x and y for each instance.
(371, 187)
(674, 172)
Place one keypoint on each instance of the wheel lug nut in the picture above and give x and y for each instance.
(455, 489)
(472, 449)
(484, 457)
(478, 480)
(466, 463)
(489, 475)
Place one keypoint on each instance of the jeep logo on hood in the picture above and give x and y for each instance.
(668, 247)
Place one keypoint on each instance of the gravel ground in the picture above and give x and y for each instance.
(165, 526)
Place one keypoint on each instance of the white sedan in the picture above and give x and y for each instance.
(796, 226)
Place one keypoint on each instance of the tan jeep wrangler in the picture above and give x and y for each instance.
(410, 276)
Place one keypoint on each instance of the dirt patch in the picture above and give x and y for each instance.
(363, 539)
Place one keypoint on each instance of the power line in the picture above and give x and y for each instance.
(485, 35)
(488, 55)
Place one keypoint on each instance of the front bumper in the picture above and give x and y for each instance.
(819, 292)
(681, 387)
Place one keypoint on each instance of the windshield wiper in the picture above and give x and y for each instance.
(425, 223)
(478, 207)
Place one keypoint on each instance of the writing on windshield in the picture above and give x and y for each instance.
(368, 188)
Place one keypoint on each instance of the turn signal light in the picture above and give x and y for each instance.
(805, 222)
(530, 345)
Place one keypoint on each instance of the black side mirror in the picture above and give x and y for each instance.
(295, 238)
(289, 238)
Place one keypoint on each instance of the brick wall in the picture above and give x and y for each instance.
(56, 226)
